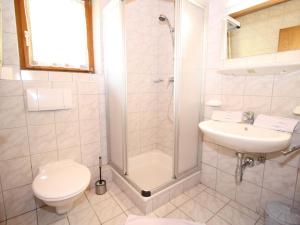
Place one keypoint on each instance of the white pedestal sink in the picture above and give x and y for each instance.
(245, 138)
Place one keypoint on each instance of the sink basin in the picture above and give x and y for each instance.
(244, 137)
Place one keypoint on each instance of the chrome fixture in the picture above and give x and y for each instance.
(164, 18)
(158, 81)
(232, 24)
(291, 150)
(243, 162)
(248, 117)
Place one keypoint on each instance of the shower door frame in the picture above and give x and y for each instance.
(177, 75)
(176, 175)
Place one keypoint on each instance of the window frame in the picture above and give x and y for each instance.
(21, 23)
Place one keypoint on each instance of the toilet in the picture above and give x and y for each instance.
(60, 183)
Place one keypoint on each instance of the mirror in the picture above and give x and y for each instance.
(270, 27)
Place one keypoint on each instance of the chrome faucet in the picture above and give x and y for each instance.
(248, 117)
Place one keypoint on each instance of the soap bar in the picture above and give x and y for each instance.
(297, 111)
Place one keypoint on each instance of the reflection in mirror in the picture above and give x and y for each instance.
(265, 28)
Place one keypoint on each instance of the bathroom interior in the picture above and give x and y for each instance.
(151, 112)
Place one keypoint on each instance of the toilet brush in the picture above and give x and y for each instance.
(100, 184)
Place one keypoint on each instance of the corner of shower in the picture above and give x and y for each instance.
(153, 136)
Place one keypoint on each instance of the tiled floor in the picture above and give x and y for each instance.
(200, 204)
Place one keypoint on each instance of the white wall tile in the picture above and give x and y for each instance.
(88, 107)
(14, 143)
(209, 176)
(31, 75)
(248, 195)
(42, 159)
(226, 184)
(15, 172)
(60, 76)
(40, 118)
(10, 49)
(210, 154)
(67, 135)
(280, 178)
(12, 113)
(89, 131)
(19, 200)
(42, 138)
(70, 153)
(90, 154)
(10, 88)
(259, 85)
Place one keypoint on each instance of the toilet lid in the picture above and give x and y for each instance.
(61, 181)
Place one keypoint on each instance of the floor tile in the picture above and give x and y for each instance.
(47, 215)
(80, 204)
(195, 190)
(179, 200)
(210, 202)
(61, 222)
(94, 198)
(107, 209)
(244, 210)
(217, 195)
(216, 220)
(235, 217)
(177, 214)
(119, 220)
(261, 221)
(164, 210)
(123, 200)
(85, 216)
(29, 218)
(113, 189)
(134, 211)
(196, 211)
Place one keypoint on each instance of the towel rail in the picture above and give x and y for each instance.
(290, 150)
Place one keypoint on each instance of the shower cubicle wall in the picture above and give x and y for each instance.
(154, 89)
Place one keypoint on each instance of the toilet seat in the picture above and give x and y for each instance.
(61, 180)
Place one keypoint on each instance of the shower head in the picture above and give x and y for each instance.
(163, 18)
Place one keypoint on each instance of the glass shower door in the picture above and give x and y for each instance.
(189, 72)
(115, 71)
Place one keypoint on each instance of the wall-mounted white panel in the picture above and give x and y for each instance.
(42, 99)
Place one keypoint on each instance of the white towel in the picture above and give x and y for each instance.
(142, 220)
(276, 123)
(227, 116)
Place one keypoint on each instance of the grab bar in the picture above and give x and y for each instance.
(290, 150)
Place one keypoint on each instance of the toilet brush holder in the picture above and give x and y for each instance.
(100, 185)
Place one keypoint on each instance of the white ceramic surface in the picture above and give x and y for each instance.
(60, 183)
(244, 137)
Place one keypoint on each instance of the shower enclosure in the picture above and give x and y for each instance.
(154, 63)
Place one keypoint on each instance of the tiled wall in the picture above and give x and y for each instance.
(31, 139)
(259, 33)
(270, 94)
(149, 58)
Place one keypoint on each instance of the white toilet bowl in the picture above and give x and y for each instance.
(59, 184)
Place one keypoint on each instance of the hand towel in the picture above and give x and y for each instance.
(227, 116)
(276, 123)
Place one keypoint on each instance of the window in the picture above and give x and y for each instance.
(55, 34)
